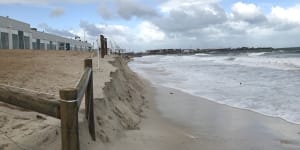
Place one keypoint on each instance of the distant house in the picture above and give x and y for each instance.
(18, 35)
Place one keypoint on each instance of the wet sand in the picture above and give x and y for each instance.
(154, 132)
(215, 126)
(174, 120)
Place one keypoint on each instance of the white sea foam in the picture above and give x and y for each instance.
(201, 54)
(267, 62)
(275, 63)
(256, 54)
(238, 81)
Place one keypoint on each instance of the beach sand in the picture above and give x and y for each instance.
(41, 71)
(130, 113)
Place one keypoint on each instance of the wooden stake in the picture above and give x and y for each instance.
(102, 46)
(89, 100)
(105, 45)
(90, 109)
(69, 119)
(88, 63)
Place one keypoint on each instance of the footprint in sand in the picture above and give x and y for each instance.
(17, 126)
(21, 118)
(2, 146)
(3, 121)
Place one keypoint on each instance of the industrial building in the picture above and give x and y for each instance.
(19, 35)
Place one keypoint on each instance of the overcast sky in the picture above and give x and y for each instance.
(150, 24)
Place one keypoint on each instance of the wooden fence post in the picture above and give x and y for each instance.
(89, 100)
(102, 46)
(88, 63)
(105, 45)
(69, 119)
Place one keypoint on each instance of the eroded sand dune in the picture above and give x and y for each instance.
(117, 92)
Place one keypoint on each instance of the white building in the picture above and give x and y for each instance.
(18, 35)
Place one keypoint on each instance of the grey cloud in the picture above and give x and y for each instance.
(182, 21)
(114, 33)
(225, 35)
(56, 12)
(125, 9)
(48, 29)
(105, 13)
(130, 8)
(255, 19)
(287, 38)
(91, 29)
(208, 26)
(281, 25)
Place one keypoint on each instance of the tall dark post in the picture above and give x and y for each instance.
(105, 41)
(88, 63)
(89, 100)
(102, 46)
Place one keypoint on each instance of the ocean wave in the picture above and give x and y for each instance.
(230, 59)
(264, 62)
(256, 54)
(201, 54)
(267, 62)
(255, 60)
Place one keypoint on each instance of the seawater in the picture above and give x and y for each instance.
(264, 82)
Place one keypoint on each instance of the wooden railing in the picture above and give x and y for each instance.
(65, 109)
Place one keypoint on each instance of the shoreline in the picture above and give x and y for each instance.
(245, 109)
(154, 131)
(218, 126)
(257, 131)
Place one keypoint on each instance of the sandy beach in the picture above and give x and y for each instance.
(130, 112)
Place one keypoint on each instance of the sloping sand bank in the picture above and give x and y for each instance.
(41, 71)
(118, 97)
